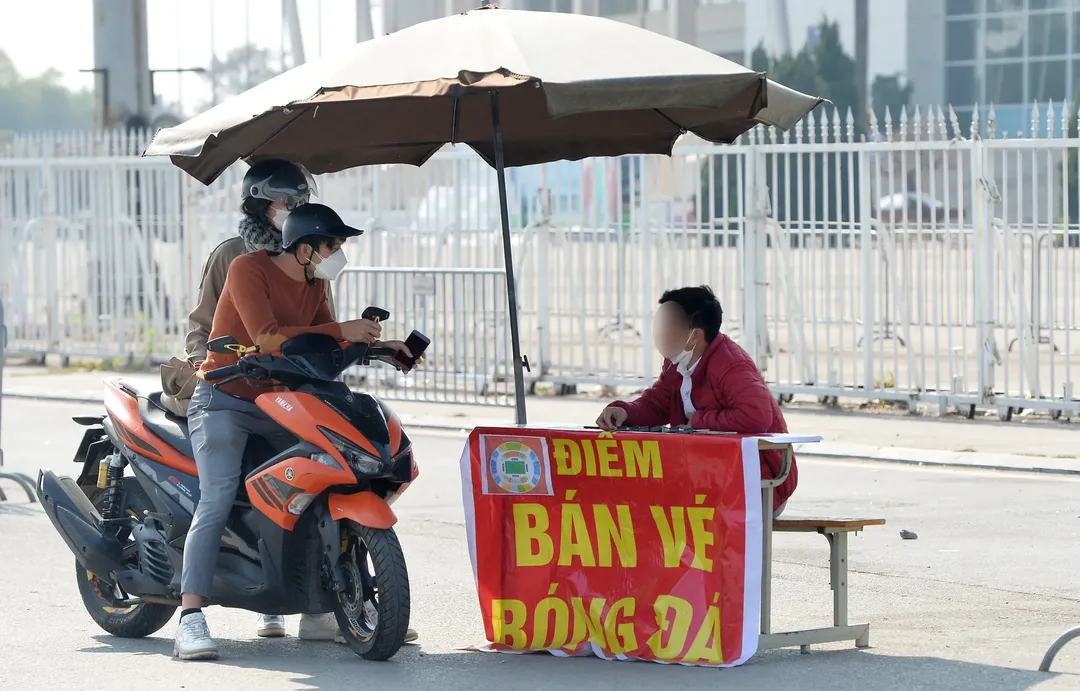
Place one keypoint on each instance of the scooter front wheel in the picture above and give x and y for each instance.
(373, 609)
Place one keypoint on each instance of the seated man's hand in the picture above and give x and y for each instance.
(612, 417)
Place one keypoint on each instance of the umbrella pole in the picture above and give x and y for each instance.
(508, 260)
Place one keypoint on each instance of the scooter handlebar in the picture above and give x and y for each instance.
(364, 353)
(354, 353)
(222, 372)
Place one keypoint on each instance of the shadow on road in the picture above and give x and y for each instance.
(18, 506)
(331, 666)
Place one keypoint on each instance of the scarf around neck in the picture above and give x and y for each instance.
(258, 233)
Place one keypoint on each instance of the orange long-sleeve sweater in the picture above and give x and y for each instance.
(261, 305)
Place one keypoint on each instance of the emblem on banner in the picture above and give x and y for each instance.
(515, 465)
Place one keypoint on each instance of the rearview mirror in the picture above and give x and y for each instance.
(222, 344)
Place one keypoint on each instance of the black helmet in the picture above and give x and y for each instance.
(314, 220)
(277, 180)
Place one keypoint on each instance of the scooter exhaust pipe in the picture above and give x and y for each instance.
(79, 523)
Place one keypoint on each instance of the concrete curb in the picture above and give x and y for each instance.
(51, 398)
(940, 458)
(823, 450)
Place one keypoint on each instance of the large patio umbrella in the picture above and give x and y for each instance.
(518, 87)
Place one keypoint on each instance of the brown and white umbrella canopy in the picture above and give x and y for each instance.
(518, 87)
(570, 86)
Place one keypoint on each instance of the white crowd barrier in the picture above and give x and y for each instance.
(926, 261)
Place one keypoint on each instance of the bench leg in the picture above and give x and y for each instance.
(838, 575)
(838, 581)
(766, 560)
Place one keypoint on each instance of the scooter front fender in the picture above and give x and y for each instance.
(365, 508)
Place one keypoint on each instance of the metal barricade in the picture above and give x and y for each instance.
(462, 311)
(1055, 648)
(919, 265)
(22, 480)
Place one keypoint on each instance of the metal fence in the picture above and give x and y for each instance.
(462, 311)
(96, 257)
(3, 345)
(919, 262)
(18, 478)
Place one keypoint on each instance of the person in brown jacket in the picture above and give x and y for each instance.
(271, 189)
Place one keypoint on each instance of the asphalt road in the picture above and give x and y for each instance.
(972, 604)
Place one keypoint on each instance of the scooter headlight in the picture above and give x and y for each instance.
(359, 460)
(327, 460)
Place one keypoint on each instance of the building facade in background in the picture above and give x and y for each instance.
(1011, 53)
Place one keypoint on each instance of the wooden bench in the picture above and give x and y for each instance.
(836, 531)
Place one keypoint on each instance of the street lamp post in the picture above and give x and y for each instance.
(104, 72)
(862, 52)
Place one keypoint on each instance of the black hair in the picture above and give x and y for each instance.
(701, 307)
(253, 206)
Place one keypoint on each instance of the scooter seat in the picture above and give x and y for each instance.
(169, 428)
(173, 431)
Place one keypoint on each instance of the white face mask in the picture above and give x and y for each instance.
(278, 216)
(682, 359)
(330, 267)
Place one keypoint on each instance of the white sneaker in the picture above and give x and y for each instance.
(411, 636)
(318, 627)
(270, 626)
(193, 641)
(372, 614)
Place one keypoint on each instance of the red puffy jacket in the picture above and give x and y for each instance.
(729, 395)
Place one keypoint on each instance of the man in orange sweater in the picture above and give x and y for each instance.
(267, 299)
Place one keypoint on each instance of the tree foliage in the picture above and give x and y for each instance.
(890, 93)
(243, 68)
(823, 69)
(41, 102)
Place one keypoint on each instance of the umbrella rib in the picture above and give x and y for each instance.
(682, 130)
(266, 140)
(454, 123)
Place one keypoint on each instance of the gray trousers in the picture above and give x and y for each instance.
(219, 426)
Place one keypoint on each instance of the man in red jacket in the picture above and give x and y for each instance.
(707, 381)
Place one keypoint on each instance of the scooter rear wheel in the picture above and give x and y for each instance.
(100, 598)
(373, 609)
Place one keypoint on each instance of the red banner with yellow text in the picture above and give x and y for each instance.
(626, 546)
